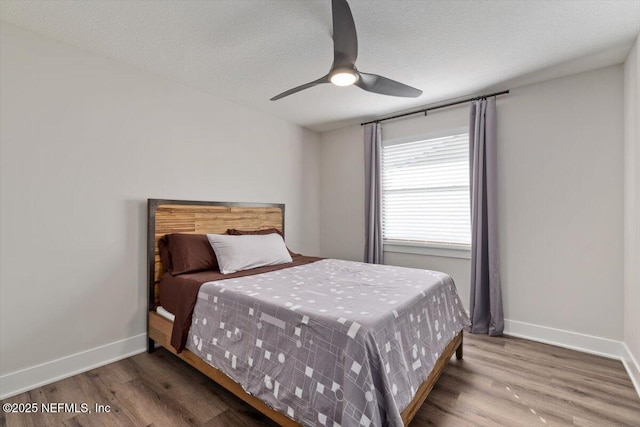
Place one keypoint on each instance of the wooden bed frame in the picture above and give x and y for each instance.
(179, 216)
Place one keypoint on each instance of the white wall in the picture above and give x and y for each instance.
(342, 193)
(561, 184)
(560, 210)
(84, 142)
(632, 212)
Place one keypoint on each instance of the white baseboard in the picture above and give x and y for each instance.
(576, 341)
(49, 372)
(573, 340)
(633, 368)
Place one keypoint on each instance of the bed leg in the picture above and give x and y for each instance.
(151, 345)
(459, 349)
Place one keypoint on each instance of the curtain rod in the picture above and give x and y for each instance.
(504, 92)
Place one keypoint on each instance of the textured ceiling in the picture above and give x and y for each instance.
(249, 51)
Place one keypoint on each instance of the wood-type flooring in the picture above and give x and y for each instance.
(502, 381)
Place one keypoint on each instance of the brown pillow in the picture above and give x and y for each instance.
(236, 232)
(165, 256)
(185, 253)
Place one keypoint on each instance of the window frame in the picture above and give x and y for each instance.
(439, 249)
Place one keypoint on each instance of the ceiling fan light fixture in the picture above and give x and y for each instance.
(344, 77)
(343, 71)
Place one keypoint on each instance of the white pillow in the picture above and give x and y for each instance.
(237, 253)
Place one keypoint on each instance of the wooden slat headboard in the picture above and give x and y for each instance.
(184, 216)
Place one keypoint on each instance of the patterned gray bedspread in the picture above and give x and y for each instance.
(331, 343)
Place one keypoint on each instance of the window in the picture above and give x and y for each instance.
(425, 193)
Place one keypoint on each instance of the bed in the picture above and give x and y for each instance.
(337, 352)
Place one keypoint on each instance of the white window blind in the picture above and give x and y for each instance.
(425, 191)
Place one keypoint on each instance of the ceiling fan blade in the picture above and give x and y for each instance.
(321, 80)
(385, 86)
(345, 39)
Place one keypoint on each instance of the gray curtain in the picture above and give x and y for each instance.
(486, 295)
(373, 193)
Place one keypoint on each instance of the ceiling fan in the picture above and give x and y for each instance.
(345, 52)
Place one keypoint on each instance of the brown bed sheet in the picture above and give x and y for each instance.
(178, 294)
